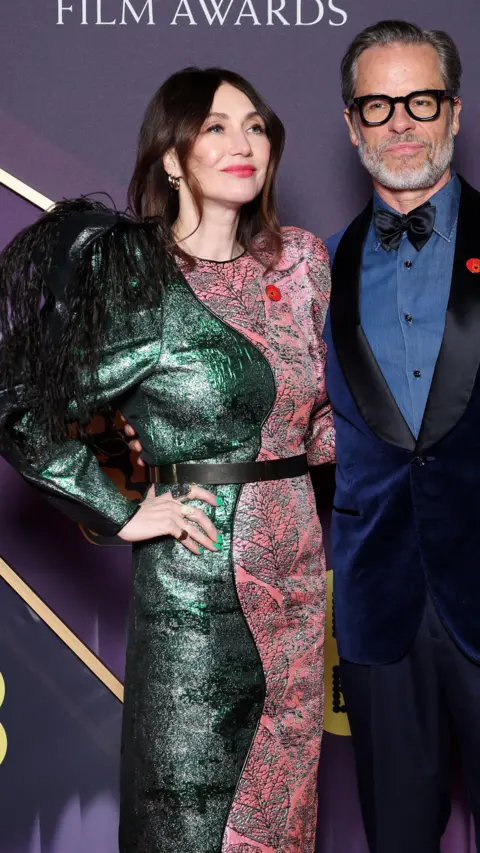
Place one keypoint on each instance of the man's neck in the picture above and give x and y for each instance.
(403, 201)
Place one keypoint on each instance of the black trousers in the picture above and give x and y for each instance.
(401, 716)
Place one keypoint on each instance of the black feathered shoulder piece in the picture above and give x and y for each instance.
(58, 278)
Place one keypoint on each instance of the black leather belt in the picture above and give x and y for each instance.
(229, 472)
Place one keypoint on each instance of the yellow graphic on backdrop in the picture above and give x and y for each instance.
(3, 734)
(336, 720)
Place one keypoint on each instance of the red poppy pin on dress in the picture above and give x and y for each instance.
(274, 294)
(473, 264)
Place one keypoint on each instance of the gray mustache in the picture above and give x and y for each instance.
(402, 140)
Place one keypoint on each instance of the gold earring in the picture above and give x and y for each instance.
(174, 182)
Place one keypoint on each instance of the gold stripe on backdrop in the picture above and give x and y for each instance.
(50, 618)
(15, 582)
(18, 187)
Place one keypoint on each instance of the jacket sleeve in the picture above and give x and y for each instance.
(67, 470)
(320, 444)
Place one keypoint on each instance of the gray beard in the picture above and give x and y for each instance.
(407, 176)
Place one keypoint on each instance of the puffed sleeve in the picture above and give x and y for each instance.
(79, 245)
(320, 443)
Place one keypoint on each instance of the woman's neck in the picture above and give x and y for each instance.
(214, 239)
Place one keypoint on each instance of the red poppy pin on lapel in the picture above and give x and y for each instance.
(274, 294)
(473, 265)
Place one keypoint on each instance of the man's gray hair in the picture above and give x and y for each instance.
(401, 32)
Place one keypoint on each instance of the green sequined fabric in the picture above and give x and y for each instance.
(194, 682)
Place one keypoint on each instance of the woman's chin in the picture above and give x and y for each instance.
(241, 196)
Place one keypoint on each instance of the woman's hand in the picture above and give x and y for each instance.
(166, 516)
(134, 445)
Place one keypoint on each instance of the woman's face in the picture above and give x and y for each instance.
(230, 156)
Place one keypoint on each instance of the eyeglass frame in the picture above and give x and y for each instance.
(439, 95)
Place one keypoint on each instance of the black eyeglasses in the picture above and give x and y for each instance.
(423, 105)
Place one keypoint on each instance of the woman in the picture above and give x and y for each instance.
(201, 322)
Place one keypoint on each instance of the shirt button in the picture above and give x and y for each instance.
(408, 264)
(408, 318)
(417, 374)
(420, 460)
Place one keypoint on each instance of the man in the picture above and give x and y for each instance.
(403, 358)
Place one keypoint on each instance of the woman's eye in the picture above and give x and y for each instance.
(215, 128)
(257, 128)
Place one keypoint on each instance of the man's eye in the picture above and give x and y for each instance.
(377, 105)
(423, 102)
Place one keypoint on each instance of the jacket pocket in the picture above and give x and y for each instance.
(344, 511)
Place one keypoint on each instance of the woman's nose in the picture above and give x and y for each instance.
(240, 144)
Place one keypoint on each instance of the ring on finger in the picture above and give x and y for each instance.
(183, 536)
(187, 511)
(180, 490)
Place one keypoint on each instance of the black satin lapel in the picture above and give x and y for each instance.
(372, 395)
(459, 357)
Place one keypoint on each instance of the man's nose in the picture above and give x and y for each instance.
(400, 122)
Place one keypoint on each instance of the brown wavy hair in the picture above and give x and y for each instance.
(173, 120)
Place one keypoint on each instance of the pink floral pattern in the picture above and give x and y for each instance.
(278, 555)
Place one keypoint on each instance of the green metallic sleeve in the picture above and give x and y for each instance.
(69, 472)
(71, 477)
(98, 277)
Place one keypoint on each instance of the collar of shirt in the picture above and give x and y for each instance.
(446, 202)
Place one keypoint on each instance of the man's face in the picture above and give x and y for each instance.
(403, 154)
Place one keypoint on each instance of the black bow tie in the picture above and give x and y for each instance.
(418, 224)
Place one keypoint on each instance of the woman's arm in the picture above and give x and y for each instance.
(70, 475)
(320, 443)
(67, 347)
(67, 471)
(80, 327)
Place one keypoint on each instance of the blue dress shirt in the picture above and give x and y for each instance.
(403, 302)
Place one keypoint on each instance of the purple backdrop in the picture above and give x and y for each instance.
(73, 94)
(59, 779)
(71, 101)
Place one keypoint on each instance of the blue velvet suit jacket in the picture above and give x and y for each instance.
(407, 511)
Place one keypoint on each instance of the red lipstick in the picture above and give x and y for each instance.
(240, 171)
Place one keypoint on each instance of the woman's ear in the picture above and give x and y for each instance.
(171, 164)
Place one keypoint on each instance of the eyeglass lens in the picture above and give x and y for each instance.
(422, 106)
